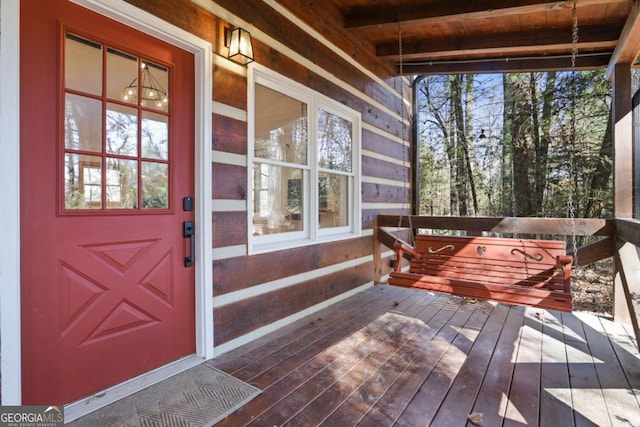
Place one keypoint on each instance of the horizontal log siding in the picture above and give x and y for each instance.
(382, 193)
(375, 142)
(229, 229)
(245, 316)
(383, 169)
(235, 274)
(330, 74)
(229, 135)
(229, 88)
(229, 182)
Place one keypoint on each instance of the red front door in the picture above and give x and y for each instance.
(107, 148)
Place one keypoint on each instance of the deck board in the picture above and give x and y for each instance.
(555, 398)
(393, 356)
(588, 401)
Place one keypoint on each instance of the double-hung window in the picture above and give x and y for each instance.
(304, 152)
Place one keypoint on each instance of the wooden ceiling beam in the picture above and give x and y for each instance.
(502, 65)
(628, 47)
(438, 12)
(592, 38)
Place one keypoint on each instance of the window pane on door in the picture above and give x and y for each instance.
(83, 182)
(83, 65)
(82, 123)
(122, 76)
(154, 86)
(122, 183)
(278, 199)
(155, 136)
(155, 185)
(122, 130)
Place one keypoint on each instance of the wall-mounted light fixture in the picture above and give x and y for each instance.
(238, 41)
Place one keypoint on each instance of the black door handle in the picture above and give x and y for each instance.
(187, 231)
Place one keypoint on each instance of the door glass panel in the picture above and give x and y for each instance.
(334, 142)
(333, 200)
(154, 86)
(83, 182)
(155, 136)
(155, 184)
(280, 127)
(278, 199)
(82, 123)
(122, 76)
(116, 145)
(83, 65)
(122, 130)
(122, 183)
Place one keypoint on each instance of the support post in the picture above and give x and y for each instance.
(622, 171)
(377, 253)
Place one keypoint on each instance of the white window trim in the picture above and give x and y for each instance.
(312, 233)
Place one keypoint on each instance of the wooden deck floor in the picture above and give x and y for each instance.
(393, 356)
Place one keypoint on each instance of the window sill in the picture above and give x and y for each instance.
(261, 248)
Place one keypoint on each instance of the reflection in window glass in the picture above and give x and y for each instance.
(83, 182)
(154, 86)
(122, 130)
(82, 123)
(278, 202)
(155, 136)
(333, 200)
(155, 185)
(334, 142)
(280, 127)
(83, 65)
(122, 183)
(122, 76)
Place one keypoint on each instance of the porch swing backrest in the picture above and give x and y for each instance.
(516, 271)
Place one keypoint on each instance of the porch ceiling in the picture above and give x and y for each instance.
(445, 36)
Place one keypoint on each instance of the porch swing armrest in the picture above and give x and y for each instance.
(401, 248)
(563, 262)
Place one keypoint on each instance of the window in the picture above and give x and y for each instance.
(116, 130)
(305, 157)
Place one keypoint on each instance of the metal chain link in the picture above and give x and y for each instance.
(570, 204)
(404, 132)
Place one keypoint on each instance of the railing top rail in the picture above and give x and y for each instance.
(549, 226)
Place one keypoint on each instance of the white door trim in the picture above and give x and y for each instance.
(140, 20)
(10, 358)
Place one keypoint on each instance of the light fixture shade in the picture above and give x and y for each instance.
(240, 47)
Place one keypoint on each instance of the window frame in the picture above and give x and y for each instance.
(311, 232)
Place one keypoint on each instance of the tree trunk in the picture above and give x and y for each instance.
(506, 197)
(595, 206)
(460, 139)
(522, 147)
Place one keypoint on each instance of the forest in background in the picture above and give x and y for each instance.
(518, 144)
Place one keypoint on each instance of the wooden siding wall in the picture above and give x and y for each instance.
(252, 293)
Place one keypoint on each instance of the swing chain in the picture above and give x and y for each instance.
(570, 204)
(404, 131)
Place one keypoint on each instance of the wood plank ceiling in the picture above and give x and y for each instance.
(454, 36)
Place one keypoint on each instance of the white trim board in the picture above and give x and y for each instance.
(10, 358)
